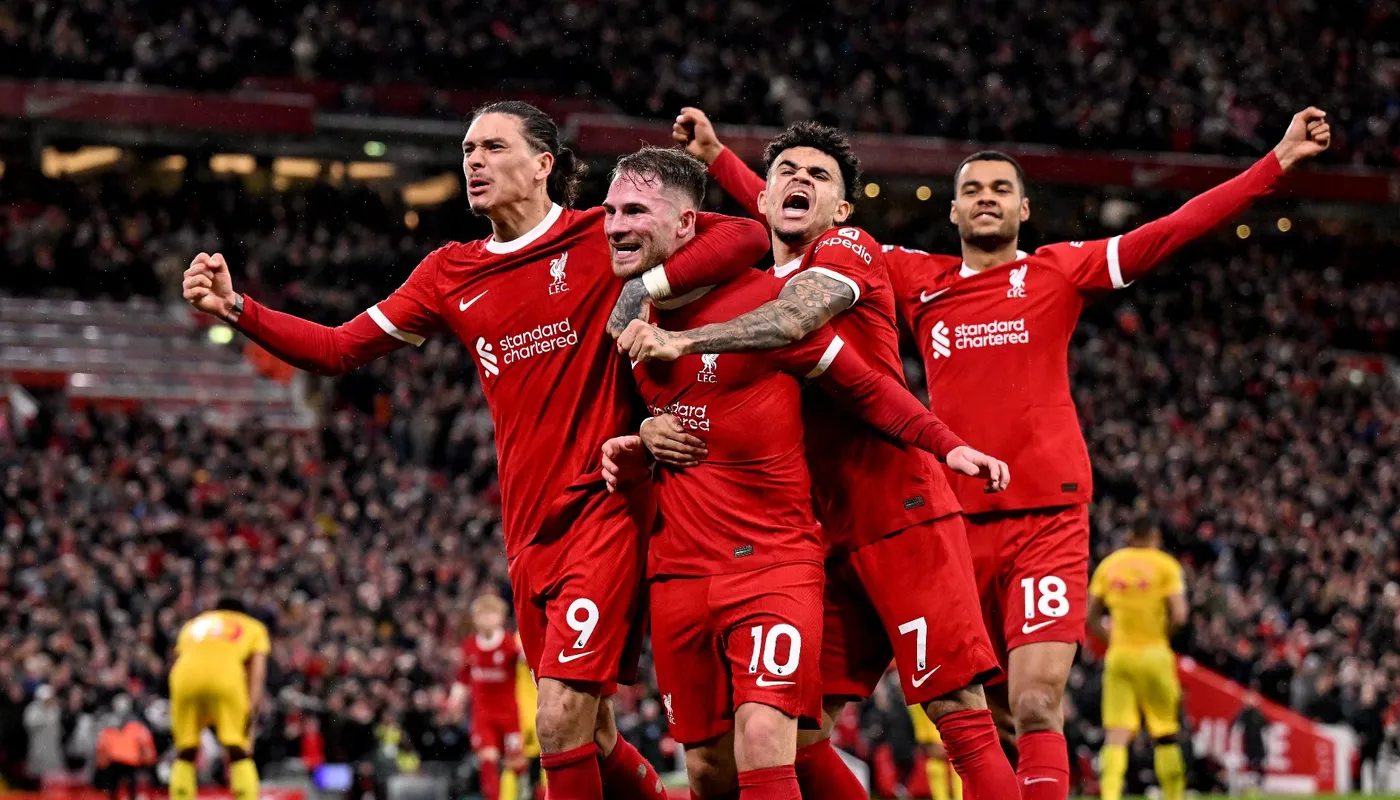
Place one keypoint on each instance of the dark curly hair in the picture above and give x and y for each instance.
(818, 137)
(543, 135)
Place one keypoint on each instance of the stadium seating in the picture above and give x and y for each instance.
(1197, 76)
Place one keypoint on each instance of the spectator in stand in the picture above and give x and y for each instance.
(43, 722)
(1184, 75)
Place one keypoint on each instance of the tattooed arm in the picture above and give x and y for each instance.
(806, 303)
(628, 307)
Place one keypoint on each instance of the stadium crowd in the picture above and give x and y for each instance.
(1222, 397)
(1197, 76)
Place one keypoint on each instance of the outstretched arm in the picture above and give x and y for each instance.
(807, 302)
(303, 344)
(1134, 253)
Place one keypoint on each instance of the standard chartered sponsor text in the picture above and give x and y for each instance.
(541, 339)
(692, 418)
(969, 336)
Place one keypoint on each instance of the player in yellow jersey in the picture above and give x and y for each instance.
(1140, 589)
(218, 679)
(943, 782)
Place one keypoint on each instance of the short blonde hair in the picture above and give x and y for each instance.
(489, 602)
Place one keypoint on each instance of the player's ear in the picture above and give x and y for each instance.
(687, 222)
(953, 212)
(1025, 208)
(843, 210)
(763, 200)
(544, 164)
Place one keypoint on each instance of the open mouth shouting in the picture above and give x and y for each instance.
(797, 203)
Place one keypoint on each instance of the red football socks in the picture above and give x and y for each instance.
(770, 783)
(824, 776)
(970, 737)
(573, 774)
(628, 776)
(489, 774)
(1043, 770)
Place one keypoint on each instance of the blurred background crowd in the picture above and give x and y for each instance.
(1192, 76)
(1247, 397)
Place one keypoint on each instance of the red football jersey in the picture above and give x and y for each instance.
(866, 485)
(748, 505)
(533, 312)
(995, 344)
(488, 667)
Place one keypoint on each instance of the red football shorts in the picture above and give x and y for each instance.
(724, 640)
(578, 598)
(910, 597)
(1032, 574)
(498, 733)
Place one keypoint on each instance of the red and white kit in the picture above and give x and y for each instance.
(488, 668)
(533, 313)
(736, 555)
(881, 502)
(995, 346)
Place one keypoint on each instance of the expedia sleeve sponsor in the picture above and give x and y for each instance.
(541, 339)
(855, 247)
(999, 332)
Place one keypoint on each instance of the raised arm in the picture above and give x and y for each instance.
(722, 249)
(304, 344)
(1134, 253)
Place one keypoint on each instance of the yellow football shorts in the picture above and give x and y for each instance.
(1141, 684)
(202, 695)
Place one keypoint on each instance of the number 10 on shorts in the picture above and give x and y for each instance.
(767, 647)
(1051, 601)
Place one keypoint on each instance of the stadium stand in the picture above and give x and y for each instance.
(1198, 76)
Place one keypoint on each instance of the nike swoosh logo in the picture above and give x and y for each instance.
(1029, 628)
(1030, 781)
(919, 681)
(764, 680)
(924, 297)
(463, 305)
(563, 659)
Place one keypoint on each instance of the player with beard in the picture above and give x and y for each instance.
(736, 554)
(531, 303)
(899, 574)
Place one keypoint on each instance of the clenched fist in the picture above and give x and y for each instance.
(694, 132)
(209, 288)
(1307, 136)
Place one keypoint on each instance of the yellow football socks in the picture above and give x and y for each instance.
(1113, 769)
(243, 779)
(1171, 771)
(182, 781)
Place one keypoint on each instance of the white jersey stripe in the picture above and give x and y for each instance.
(388, 327)
(827, 357)
(1115, 269)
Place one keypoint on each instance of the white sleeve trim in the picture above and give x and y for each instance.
(827, 357)
(656, 282)
(836, 276)
(388, 327)
(1115, 268)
